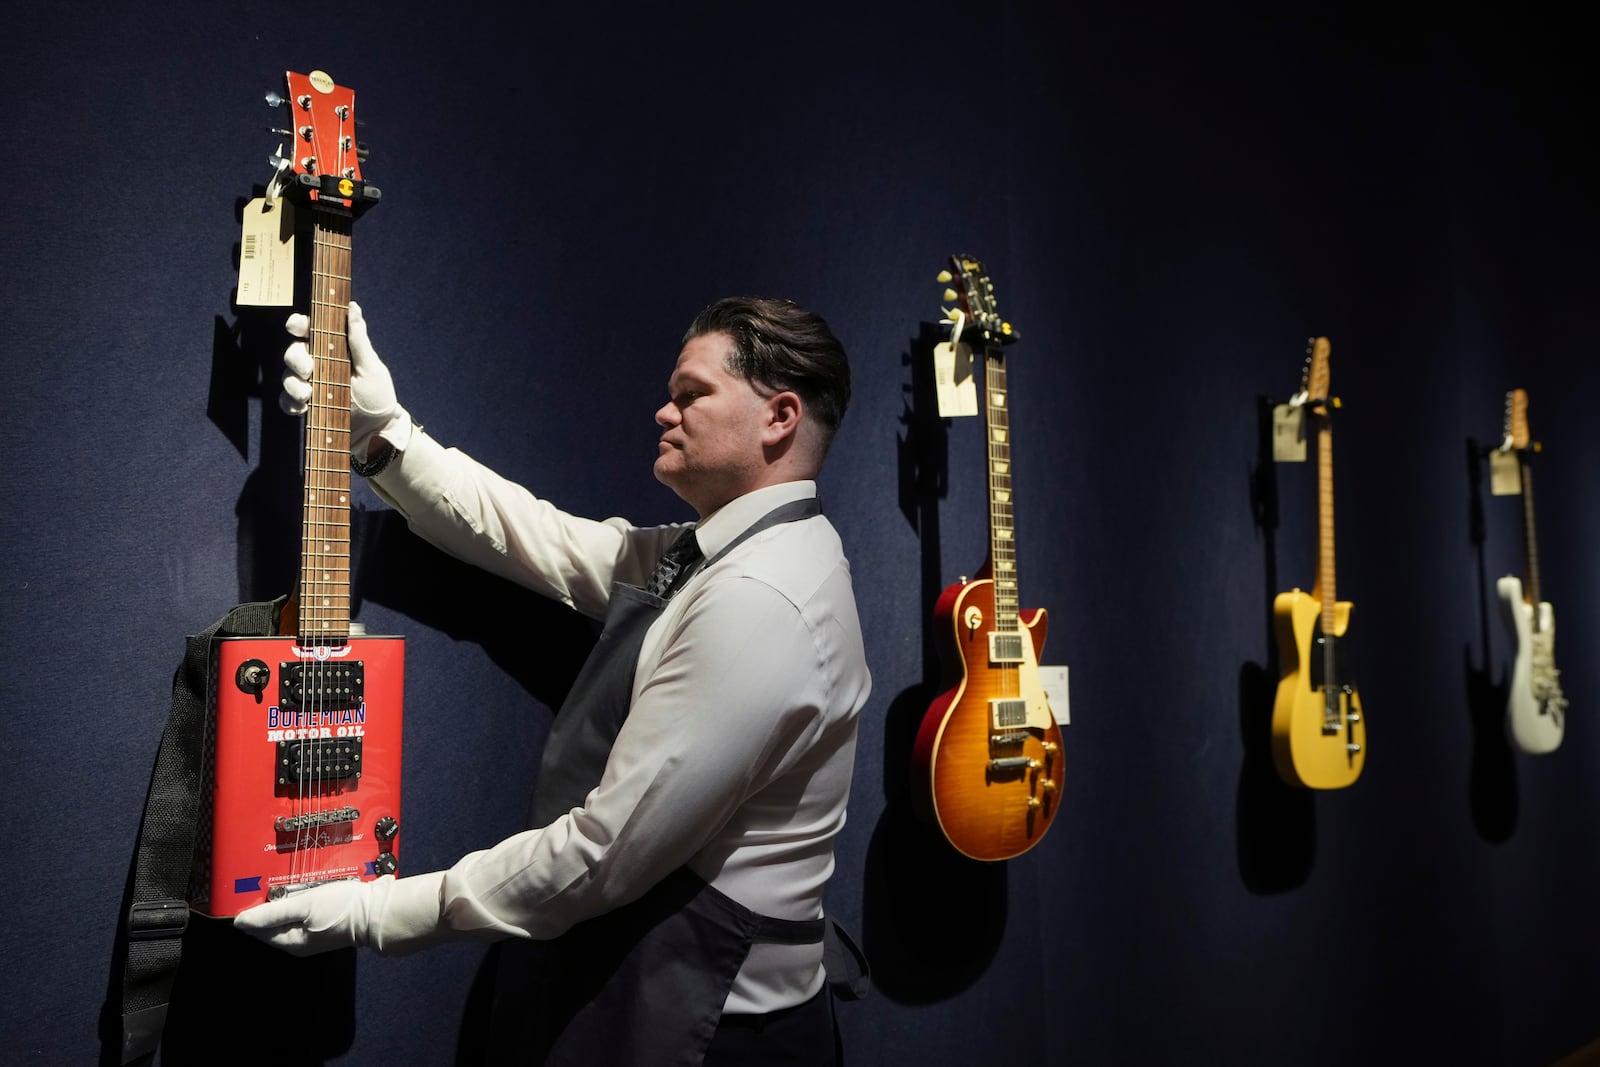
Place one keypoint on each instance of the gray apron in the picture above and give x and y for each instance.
(644, 984)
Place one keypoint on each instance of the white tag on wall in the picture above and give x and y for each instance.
(266, 254)
(1505, 473)
(1289, 433)
(1054, 680)
(952, 380)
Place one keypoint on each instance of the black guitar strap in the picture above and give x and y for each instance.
(159, 914)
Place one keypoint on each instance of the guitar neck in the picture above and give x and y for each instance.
(1326, 588)
(1531, 588)
(325, 531)
(1002, 528)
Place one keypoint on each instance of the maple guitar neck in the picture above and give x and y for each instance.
(324, 592)
(1326, 588)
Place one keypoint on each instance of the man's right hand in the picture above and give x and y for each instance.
(374, 409)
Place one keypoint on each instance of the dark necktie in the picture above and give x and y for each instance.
(679, 560)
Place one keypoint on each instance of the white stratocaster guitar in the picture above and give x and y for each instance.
(1536, 710)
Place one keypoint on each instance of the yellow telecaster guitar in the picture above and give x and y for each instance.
(1319, 735)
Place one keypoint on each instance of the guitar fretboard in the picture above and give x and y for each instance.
(1531, 590)
(325, 540)
(1002, 528)
(1325, 568)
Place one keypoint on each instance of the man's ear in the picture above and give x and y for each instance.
(784, 411)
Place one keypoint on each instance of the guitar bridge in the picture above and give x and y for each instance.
(289, 824)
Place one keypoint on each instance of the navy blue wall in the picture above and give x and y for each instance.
(1170, 203)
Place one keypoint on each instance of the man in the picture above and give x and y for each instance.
(667, 904)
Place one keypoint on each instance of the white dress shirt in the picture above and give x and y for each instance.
(737, 752)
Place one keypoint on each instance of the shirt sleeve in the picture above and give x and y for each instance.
(462, 507)
(736, 699)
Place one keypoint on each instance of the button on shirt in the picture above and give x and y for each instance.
(737, 753)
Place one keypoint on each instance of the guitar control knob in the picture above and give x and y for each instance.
(1050, 748)
(1048, 785)
(1034, 803)
(386, 828)
(386, 863)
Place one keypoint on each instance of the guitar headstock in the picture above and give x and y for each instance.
(323, 158)
(1316, 378)
(968, 285)
(1517, 418)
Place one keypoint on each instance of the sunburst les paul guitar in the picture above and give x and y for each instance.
(988, 756)
(304, 763)
(1536, 708)
(1319, 733)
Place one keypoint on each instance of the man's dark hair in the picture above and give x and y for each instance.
(779, 345)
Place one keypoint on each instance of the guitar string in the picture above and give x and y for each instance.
(330, 500)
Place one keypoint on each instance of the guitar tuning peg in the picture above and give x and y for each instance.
(362, 152)
(951, 295)
(273, 99)
(945, 277)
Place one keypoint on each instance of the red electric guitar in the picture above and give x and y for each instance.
(988, 759)
(304, 763)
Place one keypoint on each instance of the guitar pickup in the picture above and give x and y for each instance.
(315, 761)
(321, 686)
(1005, 646)
(1008, 713)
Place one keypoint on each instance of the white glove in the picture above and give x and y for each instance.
(389, 914)
(374, 409)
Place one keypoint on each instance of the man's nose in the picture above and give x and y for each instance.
(667, 415)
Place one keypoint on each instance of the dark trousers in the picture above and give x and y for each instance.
(801, 1036)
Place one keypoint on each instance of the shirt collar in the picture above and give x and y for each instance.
(736, 516)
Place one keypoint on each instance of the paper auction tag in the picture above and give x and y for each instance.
(266, 254)
(952, 380)
(1505, 473)
(1289, 433)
